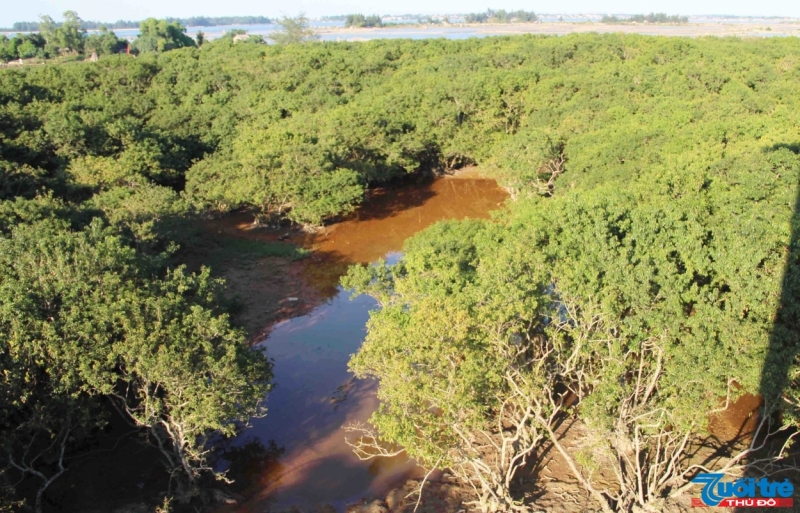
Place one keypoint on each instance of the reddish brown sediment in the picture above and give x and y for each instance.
(315, 395)
(738, 422)
(387, 218)
(381, 225)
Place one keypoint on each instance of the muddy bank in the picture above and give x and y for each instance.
(270, 280)
(315, 395)
(262, 271)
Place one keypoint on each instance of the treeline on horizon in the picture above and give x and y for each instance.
(646, 271)
(68, 39)
(501, 16)
(361, 21)
(645, 18)
(194, 21)
(490, 16)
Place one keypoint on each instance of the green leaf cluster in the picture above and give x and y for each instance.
(68, 36)
(361, 21)
(293, 31)
(161, 36)
(22, 47)
(84, 321)
(501, 16)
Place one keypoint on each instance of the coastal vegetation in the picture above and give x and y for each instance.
(501, 16)
(645, 274)
(22, 47)
(646, 18)
(361, 21)
(194, 21)
(645, 277)
(161, 36)
(293, 31)
(70, 38)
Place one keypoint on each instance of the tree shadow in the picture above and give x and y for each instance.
(94, 480)
(385, 202)
(250, 462)
(777, 383)
(530, 482)
(779, 388)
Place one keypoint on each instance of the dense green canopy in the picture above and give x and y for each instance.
(649, 266)
(655, 183)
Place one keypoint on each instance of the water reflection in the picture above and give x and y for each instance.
(315, 395)
(252, 458)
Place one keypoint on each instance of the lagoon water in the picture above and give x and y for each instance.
(550, 24)
(315, 395)
(403, 32)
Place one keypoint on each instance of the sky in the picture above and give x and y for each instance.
(112, 10)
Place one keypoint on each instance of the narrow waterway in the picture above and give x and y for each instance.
(315, 395)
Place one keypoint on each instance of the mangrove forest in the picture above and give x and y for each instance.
(642, 277)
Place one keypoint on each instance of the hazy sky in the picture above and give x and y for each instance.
(111, 10)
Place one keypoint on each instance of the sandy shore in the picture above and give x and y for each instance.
(765, 29)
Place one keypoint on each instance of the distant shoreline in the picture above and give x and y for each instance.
(765, 28)
(749, 29)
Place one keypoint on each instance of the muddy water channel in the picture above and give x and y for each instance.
(314, 394)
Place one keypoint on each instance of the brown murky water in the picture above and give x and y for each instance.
(389, 217)
(315, 395)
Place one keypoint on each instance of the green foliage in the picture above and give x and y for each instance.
(67, 36)
(21, 47)
(161, 36)
(104, 42)
(293, 31)
(24, 26)
(678, 273)
(649, 18)
(54, 38)
(241, 36)
(432, 313)
(279, 174)
(147, 211)
(257, 125)
(359, 20)
(659, 18)
(655, 181)
(501, 16)
(83, 320)
(8, 50)
(667, 248)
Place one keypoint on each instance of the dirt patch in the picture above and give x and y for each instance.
(442, 495)
(266, 291)
(549, 484)
(277, 273)
(263, 272)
